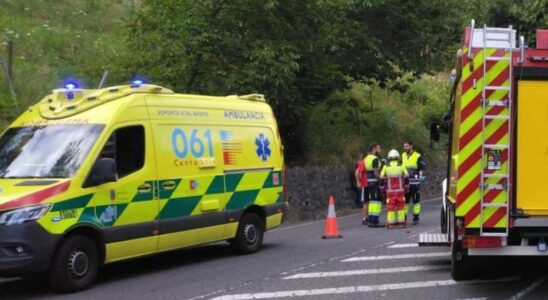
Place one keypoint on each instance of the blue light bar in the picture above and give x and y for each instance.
(137, 83)
(71, 85)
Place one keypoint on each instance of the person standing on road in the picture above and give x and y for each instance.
(361, 185)
(414, 164)
(372, 165)
(395, 178)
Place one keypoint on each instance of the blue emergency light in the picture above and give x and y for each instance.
(137, 83)
(71, 85)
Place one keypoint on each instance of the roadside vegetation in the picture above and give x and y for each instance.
(58, 40)
(339, 74)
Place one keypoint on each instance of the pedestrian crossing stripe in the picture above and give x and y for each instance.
(367, 272)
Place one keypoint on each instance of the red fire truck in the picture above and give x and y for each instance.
(494, 200)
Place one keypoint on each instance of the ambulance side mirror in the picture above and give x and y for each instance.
(103, 171)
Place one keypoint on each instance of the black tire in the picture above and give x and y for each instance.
(461, 267)
(75, 264)
(443, 221)
(249, 236)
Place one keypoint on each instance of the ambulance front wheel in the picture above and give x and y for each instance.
(75, 264)
(249, 236)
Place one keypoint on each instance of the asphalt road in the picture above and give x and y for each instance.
(295, 262)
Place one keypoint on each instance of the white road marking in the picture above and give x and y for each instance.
(403, 246)
(399, 256)
(480, 298)
(5, 280)
(352, 289)
(528, 289)
(336, 258)
(366, 272)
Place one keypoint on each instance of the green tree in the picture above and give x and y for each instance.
(526, 16)
(296, 52)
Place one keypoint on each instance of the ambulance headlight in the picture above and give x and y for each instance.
(25, 214)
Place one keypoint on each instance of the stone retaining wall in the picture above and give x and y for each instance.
(308, 190)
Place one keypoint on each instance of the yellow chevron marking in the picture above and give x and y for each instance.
(492, 73)
(467, 151)
(478, 63)
(472, 119)
(488, 212)
(469, 203)
(499, 94)
(137, 212)
(268, 196)
(501, 197)
(502, 223)
(466, 179)
(252, 181)
(475, 222)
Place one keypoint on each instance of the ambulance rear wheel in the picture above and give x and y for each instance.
(75, 264)
(249, 236)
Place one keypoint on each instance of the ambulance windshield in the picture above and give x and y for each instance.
(53, 151)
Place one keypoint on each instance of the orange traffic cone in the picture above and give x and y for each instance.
(331, 230)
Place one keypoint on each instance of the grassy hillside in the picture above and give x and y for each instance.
(56, 40)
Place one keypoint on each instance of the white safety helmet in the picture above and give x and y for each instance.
(393, 155)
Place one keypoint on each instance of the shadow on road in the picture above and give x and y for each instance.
(37, 286)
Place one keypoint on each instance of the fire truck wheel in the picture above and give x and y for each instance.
(461, 268)
(249, 236)
(75, 264)
(443, 221)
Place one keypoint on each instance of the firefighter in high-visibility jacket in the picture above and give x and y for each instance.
(372, 165)
(395, 181)
(414, 164)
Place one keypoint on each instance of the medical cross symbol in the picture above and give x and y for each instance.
(263, 147)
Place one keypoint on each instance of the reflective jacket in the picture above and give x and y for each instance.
(413, 163)
(394, 174)
(371, 163)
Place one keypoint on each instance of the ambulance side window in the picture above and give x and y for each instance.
(127, 147)
(130, 149)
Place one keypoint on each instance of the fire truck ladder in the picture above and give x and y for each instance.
(497, 176)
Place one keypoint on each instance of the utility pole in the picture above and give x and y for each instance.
(10, 59)
(8, 71)
(103, 80)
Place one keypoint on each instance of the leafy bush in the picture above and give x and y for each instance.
(352, 119)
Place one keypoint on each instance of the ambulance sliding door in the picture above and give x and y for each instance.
(191, 184)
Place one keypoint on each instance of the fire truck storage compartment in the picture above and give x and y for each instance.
(532, 148)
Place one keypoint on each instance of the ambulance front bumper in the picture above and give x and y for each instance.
(25, 249)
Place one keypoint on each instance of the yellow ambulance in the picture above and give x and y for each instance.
(89, 177)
